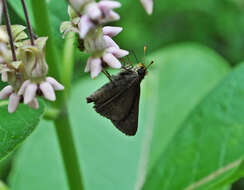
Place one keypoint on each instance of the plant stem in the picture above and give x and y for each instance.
(51, 114)
(62, 123)
(66, 141)
(8, 25)
(28, 22)
(43, 28)
(68, 62)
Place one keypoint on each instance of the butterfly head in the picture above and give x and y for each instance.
(141, 70)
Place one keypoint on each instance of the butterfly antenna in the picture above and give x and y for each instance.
(150, 64)
(123, 61)
(144, 57)
(135, 56)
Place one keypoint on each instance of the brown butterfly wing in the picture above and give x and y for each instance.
(129, 123)
(118, 91)
(119, 101)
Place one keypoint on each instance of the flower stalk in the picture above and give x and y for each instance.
(8, 25)
(62, 122)
(28, 22)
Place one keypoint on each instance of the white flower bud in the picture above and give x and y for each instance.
(148, 6)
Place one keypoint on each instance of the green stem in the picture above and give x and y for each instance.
(66, 141)
(43, 28)
(68, 62)
(62, 123)
(51, 114)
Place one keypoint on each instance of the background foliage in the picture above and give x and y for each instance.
(191, 121)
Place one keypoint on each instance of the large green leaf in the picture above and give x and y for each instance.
(3, 186)
(109, 159)
(207, 148)
(44, 162)
(14, 128)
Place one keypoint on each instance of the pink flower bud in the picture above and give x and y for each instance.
(112, 61)
(5, 92)
(30, 93)
(109, 41)
(106, 5)
(112, 16)
(119, 53)
(48, 91)
(85, 25)
(23, 87)
(88, 65)
(55, 84)
(93, 11)
(95, 67)
(13, 102)
(4, 76)
(148, 6)
(111, 30)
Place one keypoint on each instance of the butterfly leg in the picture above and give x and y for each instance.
(127, 68)
(107, 75)
(127, 63)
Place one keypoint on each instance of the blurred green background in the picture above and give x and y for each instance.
(108, 157)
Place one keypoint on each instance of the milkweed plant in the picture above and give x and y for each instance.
(25, 70)
(55, 53)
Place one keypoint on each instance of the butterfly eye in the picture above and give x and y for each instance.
(141, 71)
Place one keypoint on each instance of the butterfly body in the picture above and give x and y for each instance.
(118, 100)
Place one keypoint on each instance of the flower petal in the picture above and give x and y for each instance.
(112, 16)
(148, 5)
(5, 92)
(85, 25)
(96, 67)
(23, 86)
(13, 102)
(30, 93)
(77, 4)
(48, 91)
(93, 11)
(34, 104)
(4, 76)
(88, 65)
(55, 84)
(117, 52)
(111, 30)
(109, 41)
(108, 5)
(112, 61)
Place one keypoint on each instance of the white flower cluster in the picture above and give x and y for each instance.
(87, 20)
(27, 75)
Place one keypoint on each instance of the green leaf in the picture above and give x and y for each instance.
(98, 143)
(105, 154)
(3, 186)
(2, 85)
(42, 159)
(225, 188)
(16, 127)
(207, 148)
